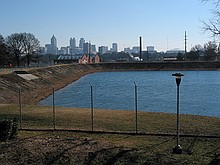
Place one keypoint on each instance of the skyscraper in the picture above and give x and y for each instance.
(72, 46)
(87, 48)
(81, 42)
(114, 47)
(53, 45)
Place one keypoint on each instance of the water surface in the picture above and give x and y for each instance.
(156, 92)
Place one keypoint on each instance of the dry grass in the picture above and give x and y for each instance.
(90, 148)
(111, 120)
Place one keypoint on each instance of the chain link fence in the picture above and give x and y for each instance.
(131, 109)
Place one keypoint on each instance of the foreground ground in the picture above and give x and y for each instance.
(85, 147)
(81, 148)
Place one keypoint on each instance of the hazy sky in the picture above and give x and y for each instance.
(161, 23)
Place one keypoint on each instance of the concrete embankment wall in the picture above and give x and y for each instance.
(62, 75)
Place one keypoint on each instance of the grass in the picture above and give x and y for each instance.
(38, 117)
(146, 149)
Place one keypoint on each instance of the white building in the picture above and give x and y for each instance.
(64, 50)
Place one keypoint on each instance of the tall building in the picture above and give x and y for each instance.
(48, 48)
(52, 47)
(81, 42)
(103, 49)
(87, 48)
(114, 47)
(72, 46)
(93, 49)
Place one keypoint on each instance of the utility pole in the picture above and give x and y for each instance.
(185, 45)
(140, 48)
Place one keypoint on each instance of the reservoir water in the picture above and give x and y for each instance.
(156, 92)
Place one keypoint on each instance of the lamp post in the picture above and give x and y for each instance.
(20, 106)
(177, 149)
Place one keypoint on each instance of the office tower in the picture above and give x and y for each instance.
(81, 42)
(103, 49)
(93, 49)
(87, 48)
(72, 46)
(114, 47)
(53, 45)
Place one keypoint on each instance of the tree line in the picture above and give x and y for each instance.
(209, 52)
(19, 48)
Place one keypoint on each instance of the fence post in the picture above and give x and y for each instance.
(53, 101)
(136, 107)
(54, 113)
(92, 110)
(20, 107)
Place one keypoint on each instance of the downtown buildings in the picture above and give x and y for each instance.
(73, 49)
(76, 50)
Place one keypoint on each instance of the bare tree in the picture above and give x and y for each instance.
(22, 44)
(3, 51)
(215, 2)
(195, 53)
(14, 42)
(31, 46)
(213, 25)
(210, 50)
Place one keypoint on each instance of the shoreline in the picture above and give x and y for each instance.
(61, 75)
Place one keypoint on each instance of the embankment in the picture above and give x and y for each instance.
(62, 75)
(37, 89)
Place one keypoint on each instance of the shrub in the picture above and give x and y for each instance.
(8, 129)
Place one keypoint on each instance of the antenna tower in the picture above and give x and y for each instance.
(185, 44)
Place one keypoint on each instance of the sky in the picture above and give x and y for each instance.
(160, 23)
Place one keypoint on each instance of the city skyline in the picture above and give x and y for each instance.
(103, 22)
(74, 48)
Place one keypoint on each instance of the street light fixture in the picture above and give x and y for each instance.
(177, 149)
